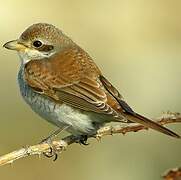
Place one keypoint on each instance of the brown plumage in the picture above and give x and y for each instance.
(63, 72)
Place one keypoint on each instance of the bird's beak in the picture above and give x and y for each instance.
(14, 45)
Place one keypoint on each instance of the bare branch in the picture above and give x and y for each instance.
(61, 145)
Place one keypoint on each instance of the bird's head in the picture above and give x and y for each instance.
(39, 41)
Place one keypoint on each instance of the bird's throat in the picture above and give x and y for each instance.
(31, 54)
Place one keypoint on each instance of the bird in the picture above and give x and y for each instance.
(61, 83)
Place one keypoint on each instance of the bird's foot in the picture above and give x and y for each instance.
(48, 140)
(83, 140)
(51, 153)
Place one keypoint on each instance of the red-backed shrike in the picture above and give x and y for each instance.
(61, 83)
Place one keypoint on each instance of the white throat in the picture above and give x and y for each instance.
(30, 54)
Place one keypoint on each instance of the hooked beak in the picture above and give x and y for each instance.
(14, 45)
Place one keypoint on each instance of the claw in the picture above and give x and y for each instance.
(51, 154)
(56, 157)
(83, 140)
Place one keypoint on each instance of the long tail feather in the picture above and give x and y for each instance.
(151, 124)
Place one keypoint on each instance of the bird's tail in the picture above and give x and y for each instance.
(137, 118)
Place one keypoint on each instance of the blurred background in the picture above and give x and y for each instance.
(137, 44)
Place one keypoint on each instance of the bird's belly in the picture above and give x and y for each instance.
(62, 115)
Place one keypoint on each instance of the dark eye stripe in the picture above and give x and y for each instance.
(45, 48)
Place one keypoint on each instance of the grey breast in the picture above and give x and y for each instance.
(42, 105)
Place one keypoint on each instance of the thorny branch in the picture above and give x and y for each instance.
(61, 145)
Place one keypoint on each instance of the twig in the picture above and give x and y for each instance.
(61, 145)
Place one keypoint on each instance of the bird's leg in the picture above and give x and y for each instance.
(83, 140)
(47, 140)
(54, 134)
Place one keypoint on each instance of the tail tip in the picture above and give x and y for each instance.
(177, 136)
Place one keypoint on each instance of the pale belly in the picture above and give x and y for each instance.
(79, 122)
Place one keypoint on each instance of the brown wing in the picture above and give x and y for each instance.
(72, 78)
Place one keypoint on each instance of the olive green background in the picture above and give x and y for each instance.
(137, 44)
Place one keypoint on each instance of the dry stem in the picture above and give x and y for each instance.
(61, 145)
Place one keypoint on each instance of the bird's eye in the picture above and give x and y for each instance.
(37, 44)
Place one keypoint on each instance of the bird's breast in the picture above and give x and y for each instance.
(42, 105)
